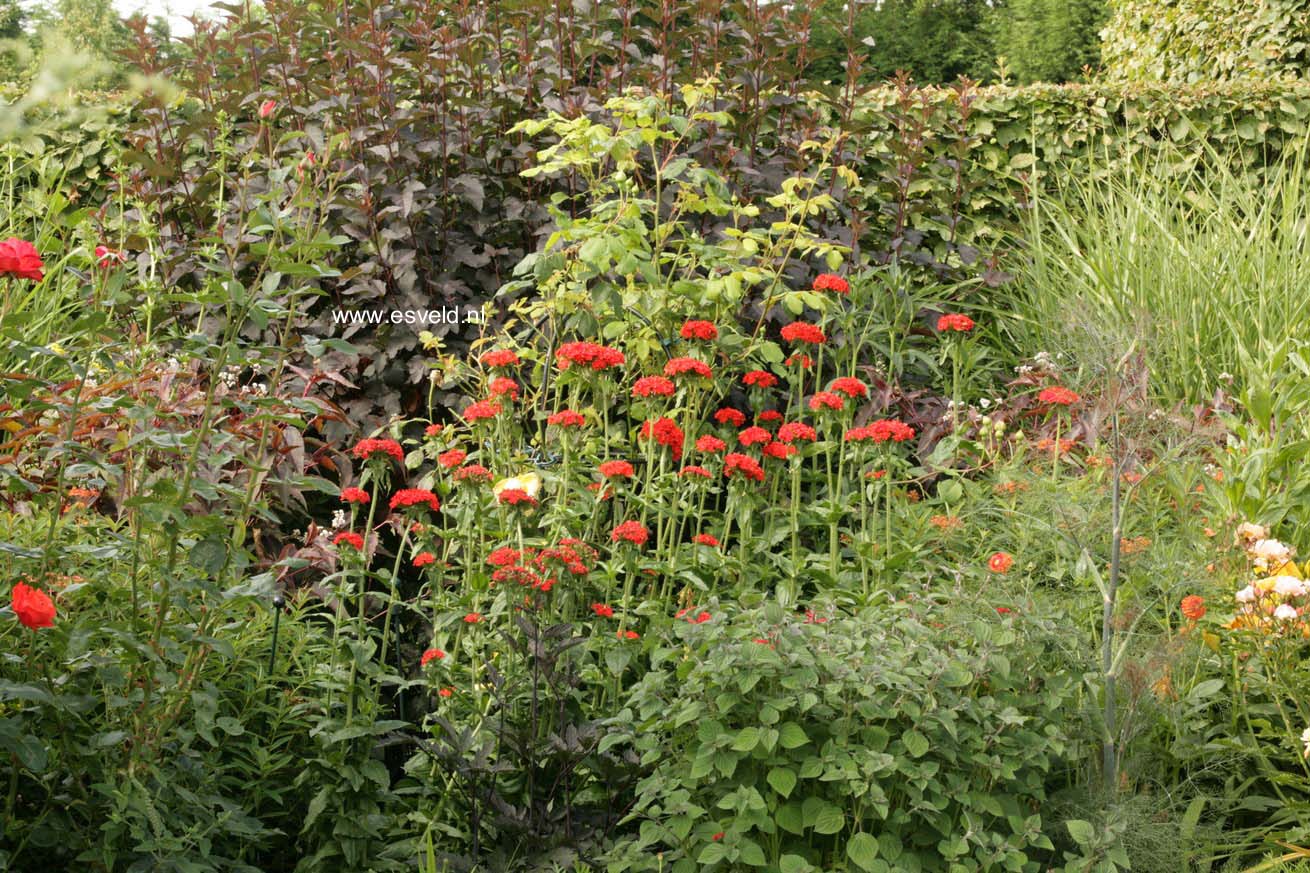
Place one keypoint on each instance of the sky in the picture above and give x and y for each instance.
(175, 10)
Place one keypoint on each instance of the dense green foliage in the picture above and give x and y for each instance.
(1049, 40)
(1189, 41)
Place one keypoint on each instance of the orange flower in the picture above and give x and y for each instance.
(1000, 562)
(1193, 607)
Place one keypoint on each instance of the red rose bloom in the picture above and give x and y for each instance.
(567, 418)
(795, 430)
(1058, 395)
(760, 379)
(752, 435)
(354, 495)
(407, 497)
(653, 385)
(350, 538)
(431, 655)
(630, 531)
(616, 470)
(483, 409)
(503, 386)
(701, 330)
(500, 358)
(452, 458)
(683, 366)
(693, 470)
(602, 610)
(705, 540)
(728, 415)
(826, 400)
(1000, 562)
(422, 559)
(710, 444)
(742, 465)
(955, 322)
(850, 386)
(374, 448)
(474, 472)
(32, 606)
(803, 332)
(831, 282)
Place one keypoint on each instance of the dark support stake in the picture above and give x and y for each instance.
(278, 602)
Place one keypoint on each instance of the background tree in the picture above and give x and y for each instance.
(1049, 40)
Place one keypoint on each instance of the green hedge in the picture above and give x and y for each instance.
(1196, 40)
(971, 158)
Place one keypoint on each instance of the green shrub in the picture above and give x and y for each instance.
(873, 741)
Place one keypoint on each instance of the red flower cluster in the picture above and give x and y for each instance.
(802, 361)
(350, 538)
(1000, 562)
(665, 432)
(32, 606)
(955, 322)
(881, 431)
(473, 618)
(1058, 395)
(500, 358)
(107, 257)
(753, 435)
(701, 330)
(699, 618)
(803, 332)
(20, 260)
(705, 540)
(407, 497)
(826, 400)
(474, 472)
(431, 655)
(850, 386)
(743, 465)
(372, 448)
(647, 386)
(769, 415)
(504, 557)
(433, 430)
(503, 386)
(630, 531)
(480, 410)
(728, 415)
(780, 451)
(693, 470)
(831, 282)
(616, 470)
(710, 444)
(795, 430)
(354, 495)
(602, 610)
(567, 418)
(452, 458)
(682, 366)
(760, 379)
(516, 497)
(422, 559)
(587, 354)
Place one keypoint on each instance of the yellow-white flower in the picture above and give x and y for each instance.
(527, 482)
